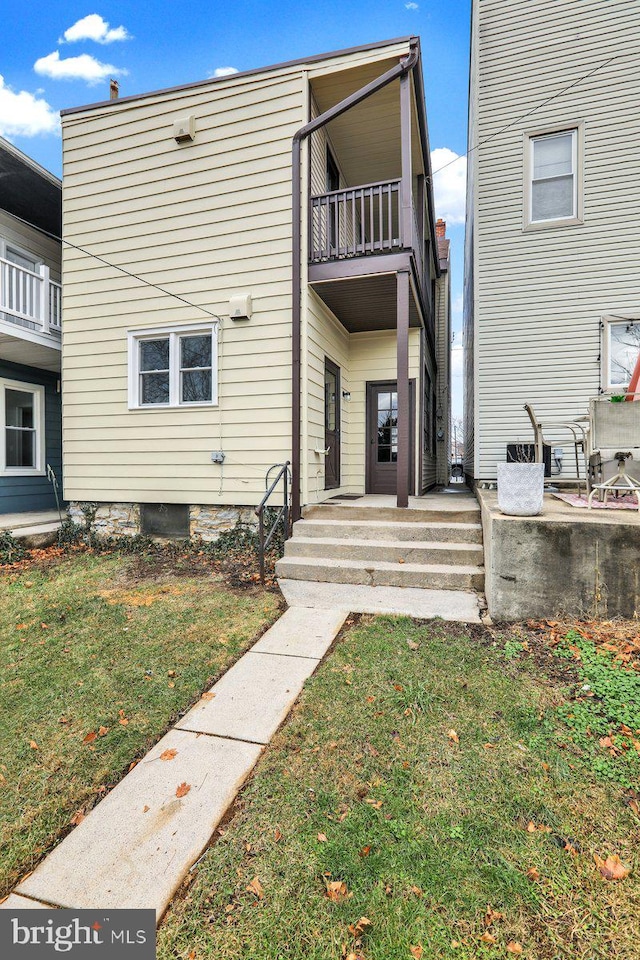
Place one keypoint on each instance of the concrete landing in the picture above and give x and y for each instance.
(37, 529)
(422, 604)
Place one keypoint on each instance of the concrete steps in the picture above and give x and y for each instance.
(437, 546)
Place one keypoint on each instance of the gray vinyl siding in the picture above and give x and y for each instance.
(22, 494)
(443, 377)
(540, 296)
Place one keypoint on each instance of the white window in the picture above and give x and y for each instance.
(22, 418)
(553, 188)
(173, 367)
(622, 346)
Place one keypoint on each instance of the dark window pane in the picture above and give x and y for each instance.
(394, 456)
(195, 351)
(383, 418)
(384, 435)
(384, 454)
(21, 448)
(19, 408)
(154, 355)
(196, 386)
(154, 388)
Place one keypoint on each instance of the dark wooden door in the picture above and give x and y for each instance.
(382, 437)
(331, 425)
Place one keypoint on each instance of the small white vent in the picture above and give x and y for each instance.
(184, 130)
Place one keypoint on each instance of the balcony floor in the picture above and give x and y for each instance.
(367, 302)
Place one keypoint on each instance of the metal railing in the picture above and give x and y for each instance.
(30, 297)
(283, 514)
(355, 221)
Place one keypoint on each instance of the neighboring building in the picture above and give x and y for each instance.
(30, 330)
(326, 358)
(443, 359)
(552, 286)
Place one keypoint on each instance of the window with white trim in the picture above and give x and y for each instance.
(553, 188)
(622, 346)
(22, 418)
(173, 367)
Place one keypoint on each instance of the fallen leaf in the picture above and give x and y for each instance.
(416, 952)
(255, 887)
(337, 891)
(277, 836)
(168, 754)
(492, 916)
(514, 947)
(612, 868)
(365, 851)
(533, 873)
(531, 827)
(413, 645)
(208, 695)
(103, 731)
(357, 929)
(371, 699)
(635, 806)
(77, 818)
(33, 745)
(489, 746)
(453, 736)
(146, 809)
(417, 891)
(183, 789)
(376, 804)
(398, 687)
(322, 837)
(171, 673)
(90, 737)
(488, 937)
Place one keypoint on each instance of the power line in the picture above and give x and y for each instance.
(524, 116)
(127, 273)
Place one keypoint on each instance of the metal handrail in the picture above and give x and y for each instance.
(283, 512)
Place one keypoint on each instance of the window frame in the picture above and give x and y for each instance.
(173, 333)
(576, 129)
(607, 323)
(38, 392)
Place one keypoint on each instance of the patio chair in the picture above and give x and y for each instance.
(614, 428)
(578, 428)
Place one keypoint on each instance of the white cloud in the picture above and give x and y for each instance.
(412, 6)
(224, 72)
(450, 185)
(24, 114)
(84, 67)
(93, 27)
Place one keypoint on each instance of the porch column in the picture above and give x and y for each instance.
(404, 412)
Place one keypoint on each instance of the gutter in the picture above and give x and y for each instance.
(405, 66)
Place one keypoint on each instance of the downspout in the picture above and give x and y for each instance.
(405, 66)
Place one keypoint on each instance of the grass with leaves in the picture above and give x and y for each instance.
(96, 661)
(425, 800)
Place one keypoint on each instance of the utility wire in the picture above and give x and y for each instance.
(114, 266)
(524, 116)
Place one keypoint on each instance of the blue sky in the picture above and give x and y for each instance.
(68, 52)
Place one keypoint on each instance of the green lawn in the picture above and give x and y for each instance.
(98, 655)
(437, 782)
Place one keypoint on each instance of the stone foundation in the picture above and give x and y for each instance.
(123, 519)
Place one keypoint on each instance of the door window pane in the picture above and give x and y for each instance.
(330, 400)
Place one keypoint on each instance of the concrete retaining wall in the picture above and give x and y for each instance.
(566, 561)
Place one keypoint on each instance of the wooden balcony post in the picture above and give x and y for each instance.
(404, 411)
(406, 208)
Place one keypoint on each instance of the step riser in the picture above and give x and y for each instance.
(392, 514)
(469, 533)
(385, 552)
(290, 570)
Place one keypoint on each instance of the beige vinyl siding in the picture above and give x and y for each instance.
(204, 221)
(540, 295)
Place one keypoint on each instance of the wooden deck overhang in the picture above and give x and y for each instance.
(362, 293)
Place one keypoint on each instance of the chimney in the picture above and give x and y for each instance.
(441, 229)
(113, 89)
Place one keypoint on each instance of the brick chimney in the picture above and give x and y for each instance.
(441, 229)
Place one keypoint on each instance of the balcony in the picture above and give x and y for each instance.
(352, 234)
(30, 299)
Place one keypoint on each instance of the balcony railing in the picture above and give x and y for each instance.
(355, 222)
(29, 298)
(366, 220)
